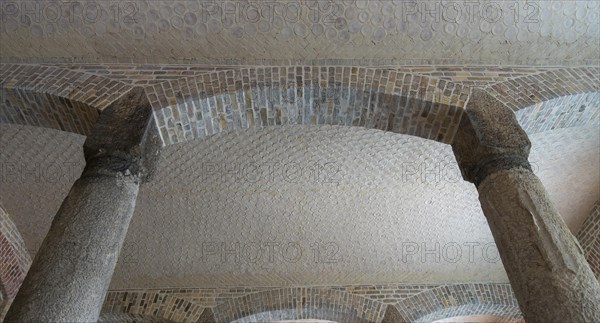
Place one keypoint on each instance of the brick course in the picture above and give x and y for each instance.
(269, 96)
(589, 240)
(220, 99)
(52, 97)
(194, 101)
(339, 303)
(14, 261)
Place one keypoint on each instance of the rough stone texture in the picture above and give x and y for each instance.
(255, 32)
(489, 138)
(544, 262)
(72, 270)
(122, 137)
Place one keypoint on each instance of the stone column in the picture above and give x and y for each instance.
(544, 262)
(72, 270)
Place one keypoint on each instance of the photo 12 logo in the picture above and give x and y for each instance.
(452, 252)
(289, 172)
(53, 12)
(39, 173)
(470, 11)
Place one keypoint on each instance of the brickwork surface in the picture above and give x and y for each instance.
(150, 74)
(529, 90)
(459, 300)
(194, 101)
(589, 239)
(351, 96)
(52, 97)
(575, 110)
(352, 303)
(14, 261)
(199, 101)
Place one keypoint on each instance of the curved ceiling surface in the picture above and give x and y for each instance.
(298, 205)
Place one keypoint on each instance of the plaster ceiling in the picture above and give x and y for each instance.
(251, 32)
(370, 205)
(376, 197)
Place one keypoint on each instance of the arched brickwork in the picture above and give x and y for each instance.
(503, 313)
(14, 261)
(522, 92)
(373, 303)
(589, 239)
(386, 99)
(47, 96)
(130, 318)
(151, 303)
(577, 110)
(383, 99)
(458, 300)
(300, 303)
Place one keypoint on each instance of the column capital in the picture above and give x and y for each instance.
(68, 279)
(124, 141)
(489, 139)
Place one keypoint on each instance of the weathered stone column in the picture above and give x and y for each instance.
(544, 262)
(70, 275)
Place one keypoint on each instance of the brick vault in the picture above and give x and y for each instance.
(290, 160)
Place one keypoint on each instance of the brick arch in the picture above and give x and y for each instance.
(589, 239)
(14, 261)
(149, 303)
(383, 99)
(576, 110)
(47, 96)
(130, 318)
(503, 313)
(456, 300)
(553, 99)
(530, 90)
(300, 303)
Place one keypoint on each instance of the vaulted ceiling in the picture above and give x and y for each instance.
(337, 205)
